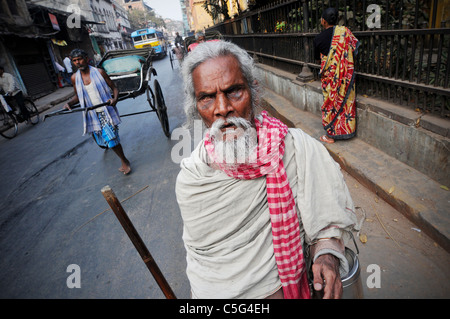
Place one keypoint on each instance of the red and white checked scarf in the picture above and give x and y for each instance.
(283, 214)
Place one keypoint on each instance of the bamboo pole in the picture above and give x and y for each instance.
(127, 225)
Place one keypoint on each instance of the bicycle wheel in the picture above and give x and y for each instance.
(8, 125)
(161, 109)
(32, 110)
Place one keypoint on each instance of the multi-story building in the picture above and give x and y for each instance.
(199, 19)
(134, 4)
(34, 34)
(123, 24)
(184, 15)
(105, 35)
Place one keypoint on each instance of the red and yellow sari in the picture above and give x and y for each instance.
(338, 85)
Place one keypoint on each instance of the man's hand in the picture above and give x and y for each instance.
(112, 102)
(67, 106)
(326, 276)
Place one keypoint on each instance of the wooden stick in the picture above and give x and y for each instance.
(137, 241)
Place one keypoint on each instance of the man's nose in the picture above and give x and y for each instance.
(223, 106)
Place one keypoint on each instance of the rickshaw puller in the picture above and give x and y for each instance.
(93, 86)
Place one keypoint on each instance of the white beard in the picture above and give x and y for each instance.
(234, 146)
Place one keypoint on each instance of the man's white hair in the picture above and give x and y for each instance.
(212, 50)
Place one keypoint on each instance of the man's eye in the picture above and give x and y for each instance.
(235, 93)
(205, 98)
(205, 101)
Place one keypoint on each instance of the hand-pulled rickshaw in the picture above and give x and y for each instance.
(131, 70)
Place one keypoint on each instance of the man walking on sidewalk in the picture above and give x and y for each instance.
(92, 87)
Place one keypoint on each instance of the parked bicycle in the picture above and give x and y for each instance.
(10, 117)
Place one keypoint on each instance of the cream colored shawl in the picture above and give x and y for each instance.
(227, 229)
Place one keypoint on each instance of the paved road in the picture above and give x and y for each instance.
(53, 215)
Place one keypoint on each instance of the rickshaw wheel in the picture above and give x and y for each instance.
(171, 59)
(150, 97)
(161, 109)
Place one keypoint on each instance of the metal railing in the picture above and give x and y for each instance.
(403, 57)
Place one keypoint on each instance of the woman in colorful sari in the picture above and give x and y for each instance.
(336, 47)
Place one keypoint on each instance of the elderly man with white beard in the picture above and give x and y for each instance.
(254, 194)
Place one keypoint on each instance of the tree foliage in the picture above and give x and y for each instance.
(140, 19)
(216, 7)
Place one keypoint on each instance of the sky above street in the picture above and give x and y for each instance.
(166, 8)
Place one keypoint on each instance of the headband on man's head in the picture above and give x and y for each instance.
(330, 15)
(78, 53)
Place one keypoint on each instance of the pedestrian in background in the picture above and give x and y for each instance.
(63, 74)
(337, 47)
(68, 65)
(97, 58)
(178, 39)
(199, 38)
(178, 53)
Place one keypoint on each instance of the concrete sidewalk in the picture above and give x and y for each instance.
(48, 101)
(59, 96)
(418, 197)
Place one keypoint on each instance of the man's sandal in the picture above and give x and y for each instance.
(326, 139)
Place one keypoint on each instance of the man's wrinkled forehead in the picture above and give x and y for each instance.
(226, 59)
(222, 69)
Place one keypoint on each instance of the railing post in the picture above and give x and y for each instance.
(306, 75)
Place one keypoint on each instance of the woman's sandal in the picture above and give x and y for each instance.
(326, 139)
